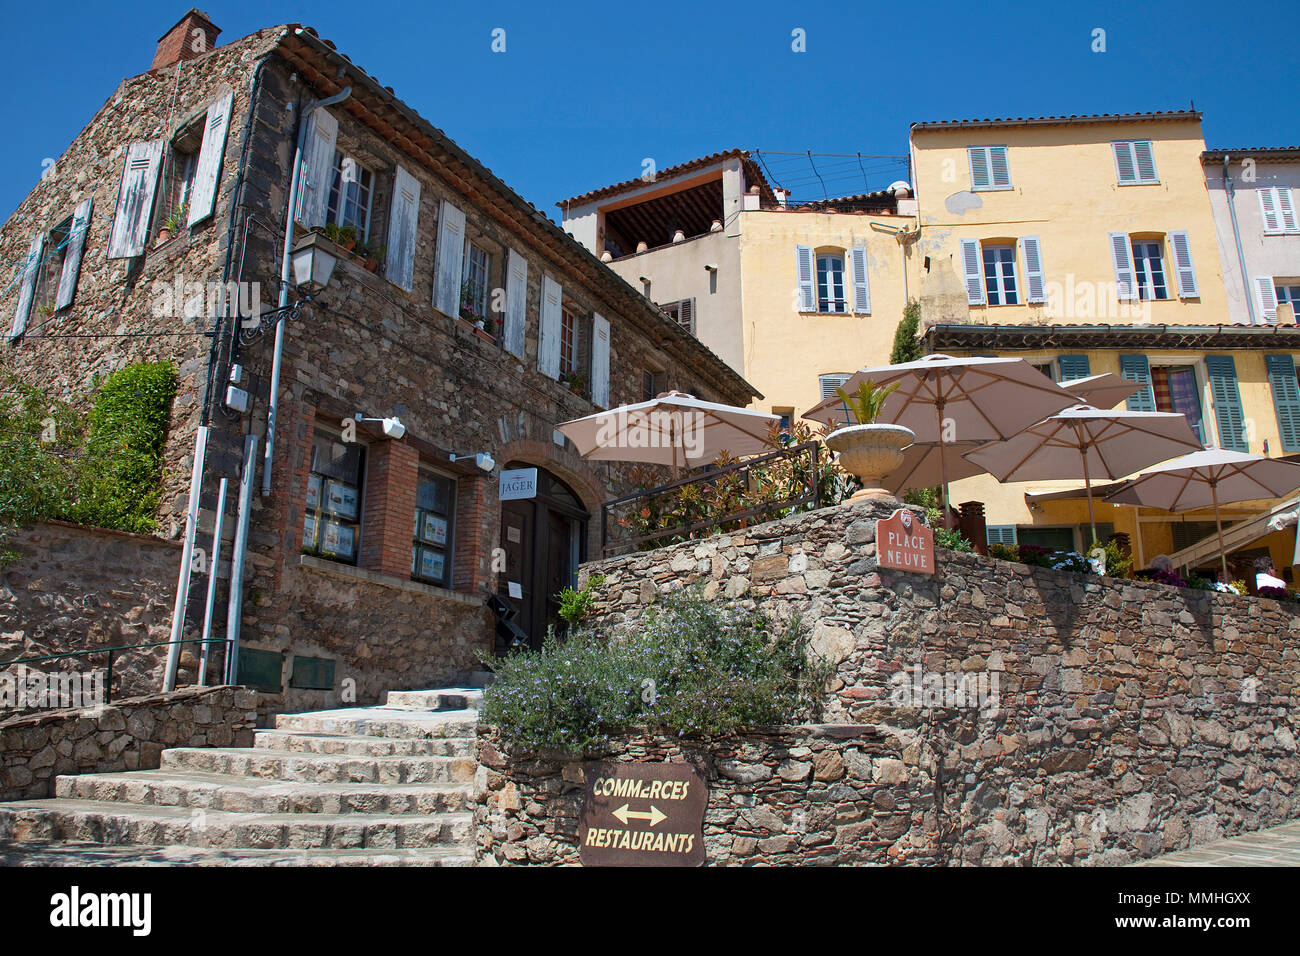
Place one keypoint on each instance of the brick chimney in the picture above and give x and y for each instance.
(193, 36)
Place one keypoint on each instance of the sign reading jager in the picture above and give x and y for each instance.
(642, 814)
(904, 543)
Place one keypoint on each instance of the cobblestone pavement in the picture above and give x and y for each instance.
(1278, 846)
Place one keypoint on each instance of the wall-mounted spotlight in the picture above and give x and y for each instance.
(482, 461)
(393, 427)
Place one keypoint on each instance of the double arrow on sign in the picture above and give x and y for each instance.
(654, 815)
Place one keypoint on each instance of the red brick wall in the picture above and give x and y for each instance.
(392, 478)
(188, 40)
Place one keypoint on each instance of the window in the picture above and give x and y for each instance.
(474, 283)
(1135, 163)
(1149, 270)
(682, 312)
(350, 194)
(1000, 275)
(1175, 390)
(988, 168)
(830, 283)
(1289, 293)
(785, 423)
(431, 549)
(569, 344)
(1278, 211)
(178, 178)
(51, 269)
(830, 382)
(1000, 534)
(1048, 369)
(332, 526)
(652, 384)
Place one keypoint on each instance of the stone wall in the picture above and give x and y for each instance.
(129, 734)
(1130, 718)
(75, 588)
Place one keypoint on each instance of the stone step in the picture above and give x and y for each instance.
(254, 795)
(440, 699)
(297, 742)
(382, 722)
(45, 853)
(96, 822)
(318, 768)
(481, 678)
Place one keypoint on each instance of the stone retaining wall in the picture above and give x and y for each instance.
(126, 735)
(1130, 718)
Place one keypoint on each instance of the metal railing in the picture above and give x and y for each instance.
(685, 511)
(112, 653)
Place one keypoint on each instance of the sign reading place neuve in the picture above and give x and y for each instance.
(642, 814)
(517, 483)
(904, 543)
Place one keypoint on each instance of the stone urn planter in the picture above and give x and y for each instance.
(870, 452)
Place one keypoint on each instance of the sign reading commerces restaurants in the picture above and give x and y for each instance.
(904, 543)
(642, 814)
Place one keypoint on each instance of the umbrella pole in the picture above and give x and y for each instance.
(672, 440)
(1218, 523)
(1087, 484)
(943, 467)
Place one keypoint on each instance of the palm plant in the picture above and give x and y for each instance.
(869, 399)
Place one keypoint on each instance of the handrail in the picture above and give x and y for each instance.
(111, 652)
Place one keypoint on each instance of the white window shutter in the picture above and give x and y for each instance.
(207, 174)
(1286, 208)
(1035, 289)
(970, 266)
(1125, 165)
(31, 269)
(980, 177)
(548, 329)
(135, 198)
(317, 172)
(402, 222)
(1145, 160)
(516, 303)
(450, 258)
(831, 381)
(1266, 295)
(999, 172)
(1121, 254)
(72, 258)
(600, 360)
(807, 273)
(861, 287)
(1183, 266)
(1269, 211)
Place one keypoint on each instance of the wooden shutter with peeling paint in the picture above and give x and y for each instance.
(516, 303)
(600, 360)
(1035, 288)
(1183, 266)
(207, 175)
(135, 198)
(548, 332)
(316, 174)
(806, 271)
(31, 269)
(450, 257)
(1121, 255)
(861, 287)
(970, 265)
(402, 222)
(1227, 402)
(72, 258)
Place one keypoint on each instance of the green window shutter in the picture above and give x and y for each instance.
(1227, 402)
(1286, 399)
(1135, 368)
(1073, 366)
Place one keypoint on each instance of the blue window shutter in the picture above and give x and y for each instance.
(1073, 366)
(1137, 369)
(1286, 399)
(1187, 288)
(971, 272)
(1227, 402)
(980, 175)
(1121, 254)
(1035, 290)
(861, 288)
(806, 276)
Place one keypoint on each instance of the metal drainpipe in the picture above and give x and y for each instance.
(273, 405)
(1229, 193)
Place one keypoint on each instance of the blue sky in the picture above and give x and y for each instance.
(585, 92)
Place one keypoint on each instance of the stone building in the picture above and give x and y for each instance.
(159, 235)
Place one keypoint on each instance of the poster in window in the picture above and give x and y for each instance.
(340, 499)
(435, 529)
(432, 564)
(313, 491)
(415, 557)
(309, 532)
(338, 539)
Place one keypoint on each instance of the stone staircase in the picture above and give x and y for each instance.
(386, 785)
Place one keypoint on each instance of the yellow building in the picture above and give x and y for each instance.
(1088, 245)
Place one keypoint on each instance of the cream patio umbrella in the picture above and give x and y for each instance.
(1085, 442)
(1101, 391)
(674, 429)
(946, 400)
(1211, 477)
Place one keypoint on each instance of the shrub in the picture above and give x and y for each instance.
(575, 605)
(1005, 552)
(907, 347)
(691, 666)
(952, 539)
(1118, 563)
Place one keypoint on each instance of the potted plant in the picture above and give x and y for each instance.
(867, 450)
(576, 382)
(172, 224)
(469, 298)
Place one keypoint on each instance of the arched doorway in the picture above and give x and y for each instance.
(544, 539)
